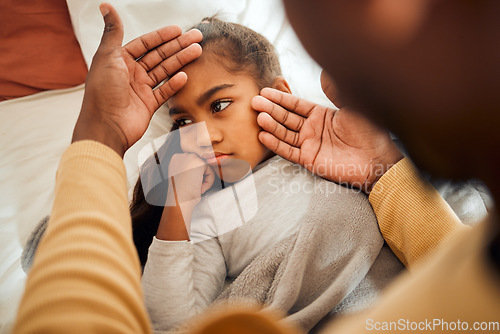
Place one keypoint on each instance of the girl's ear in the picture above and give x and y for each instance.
(281, 84)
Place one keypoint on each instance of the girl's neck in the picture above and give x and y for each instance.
(269, 155)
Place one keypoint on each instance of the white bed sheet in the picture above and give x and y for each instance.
(34, 131)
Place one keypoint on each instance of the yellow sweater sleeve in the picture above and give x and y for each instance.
(457, 286)
(86, 274)
(413, 218)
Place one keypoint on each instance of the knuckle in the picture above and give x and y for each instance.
(108, 27)
(273, 108)
(163, 94)
(276, 127)
(286, 136)
(295, 140)
(169, 89)
(144, 65)
(179, 44)
(285, 116)
(159, 95)
(301, 123)
(277, 147)
(144, 43)
(154, 77)
(179, 60)
(165, 70)
(160, 37)
(161, 53)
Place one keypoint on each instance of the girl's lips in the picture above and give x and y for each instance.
(217, 159)
(214, 158)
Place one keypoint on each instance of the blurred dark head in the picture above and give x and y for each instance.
(427, 70)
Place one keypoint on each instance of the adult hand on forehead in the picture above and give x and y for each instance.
(339, 145)
(125, 85)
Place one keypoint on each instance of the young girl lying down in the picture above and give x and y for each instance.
(232, 210)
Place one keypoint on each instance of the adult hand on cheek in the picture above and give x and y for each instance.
(339, 145)
(120, 95)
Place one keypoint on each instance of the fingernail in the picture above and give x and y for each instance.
(104, 10)
(263, 115)
(265, 103)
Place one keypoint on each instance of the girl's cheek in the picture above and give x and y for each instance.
(187, 148)
(184, 145)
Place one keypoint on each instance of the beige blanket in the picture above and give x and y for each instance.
(326, 268)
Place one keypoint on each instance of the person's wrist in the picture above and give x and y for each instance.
(175, 222)
(98, 131)
(379, 169)
(185, 202)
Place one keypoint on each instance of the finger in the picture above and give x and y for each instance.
(171, 65)
(170, 48)
(112, 36)
(288, 101)
(268, 124)
(279, 147)
(208, 179)
(145, 43)
(169, 88)
(291, 120)
(330, 89)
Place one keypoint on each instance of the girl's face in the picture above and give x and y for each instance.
(228, 138)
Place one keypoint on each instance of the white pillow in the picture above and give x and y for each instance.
(264, 16)
(35, 131)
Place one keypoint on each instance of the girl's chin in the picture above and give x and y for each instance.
(233, 170)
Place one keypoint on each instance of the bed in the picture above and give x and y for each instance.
(37, 128)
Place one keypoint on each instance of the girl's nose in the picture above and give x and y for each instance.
(207, 135)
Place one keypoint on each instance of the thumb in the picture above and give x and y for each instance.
(113, 28)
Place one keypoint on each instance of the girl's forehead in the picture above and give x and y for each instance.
(206, 63)
(211, 70)
(205, 80)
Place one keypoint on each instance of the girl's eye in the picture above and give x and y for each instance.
(183, 122)
(220, 105)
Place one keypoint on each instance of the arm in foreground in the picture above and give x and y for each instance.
(344, 147)
(86, 274)
(413, 217)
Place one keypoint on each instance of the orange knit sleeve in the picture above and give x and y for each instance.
(412, 216)
(86, 274)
